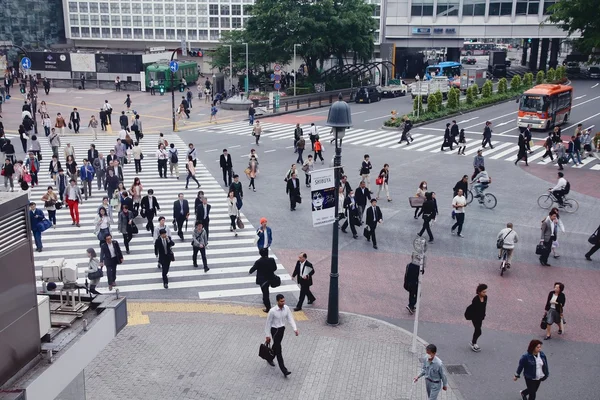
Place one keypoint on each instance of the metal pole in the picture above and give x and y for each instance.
(333, 306)
(416, 323)
(247, 82)
(173, 91)
(230, 66)
(33, 106)
(295, 71)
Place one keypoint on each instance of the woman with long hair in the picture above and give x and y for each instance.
(71, 166)
(191, 172)
(555, 304)
(253, 171)
(429, 212)
(384, 176)
(233, 211)
(102, 224)
(136, 193)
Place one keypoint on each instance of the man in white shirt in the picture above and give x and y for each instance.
(313, 133)
(483, 180)
(459, 202)
(559, 189)
(108, 109)
(161, 156)
(275, 328)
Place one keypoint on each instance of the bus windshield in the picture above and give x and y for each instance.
(448, 71)
(533, 103)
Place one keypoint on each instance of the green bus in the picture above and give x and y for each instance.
(161, 74)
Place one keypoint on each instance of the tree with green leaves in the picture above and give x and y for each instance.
(470, 98)
(527, 80)
(550, 75)
(418, 105)
(539, 78)
(515, 83)
(579, 16)
(453, 98)
(502, 85)
(486, 89)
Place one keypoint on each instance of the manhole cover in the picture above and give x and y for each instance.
(458, 369)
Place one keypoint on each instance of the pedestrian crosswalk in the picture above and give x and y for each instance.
(383, 138)
(229, 257)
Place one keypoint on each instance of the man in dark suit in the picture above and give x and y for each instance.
(411, 285)
(362, 194)
(100, 168)
(374, 217)
(75, 119)
(181, 212)
(304, 271)
(487, 135)
(110, 256)
(454, 132)
(111, 156)
(127, 201)
(162, 250)
(226, 166)
(61, 183)
(265, 268)
(352, 214)
(149, 206)
(92, 154)
(293, 190)
(346, 185)
(203, 214)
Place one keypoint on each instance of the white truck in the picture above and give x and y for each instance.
(425, 88)
(468, 77)
(394, 90)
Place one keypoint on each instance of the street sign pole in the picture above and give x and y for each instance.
(173, 67)
(247, 80)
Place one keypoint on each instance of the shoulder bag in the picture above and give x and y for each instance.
(275, 281)
(500, 242)
(543, 322)
(96, 274)
(593, 239)
(240, 224)
(265, 352)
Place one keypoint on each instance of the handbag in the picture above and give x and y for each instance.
(96, 274)
(500, 242)
(540, 249)
(58, 205)
(43, 225)
(134, 228)
(247, 171)
(174, 226)
(416, 201)
(172, 256)
(305, 168)
(367, 233)
(379, 181)
(70, 126)
(27, 177)
(593, 239)
(240, 224)
(275, 281)
(469, 312)
(298, 199)
(141, 156)
(49, 203)
(543, 322)
(265, 352)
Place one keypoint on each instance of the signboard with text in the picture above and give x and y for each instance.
(50, 61)
(322, 196)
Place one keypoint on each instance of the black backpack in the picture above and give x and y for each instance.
(174, 158)
(567, 187)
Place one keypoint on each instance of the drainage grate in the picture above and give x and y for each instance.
(458, 369)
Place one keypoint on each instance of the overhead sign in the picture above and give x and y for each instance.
(25, 63)
(50, 61)
(421, 31)
(174, 66)
(152, 49)
(323, 196)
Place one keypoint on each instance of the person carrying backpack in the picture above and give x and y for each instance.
(173, 160)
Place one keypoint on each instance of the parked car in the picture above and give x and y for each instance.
(367, 94)
(469, 61)
(594, 72)
(573, 67)
(394, 90)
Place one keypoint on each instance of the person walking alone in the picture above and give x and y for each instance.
(126, 225)
(374, 217)
(36, 219)
(293, 191)
(487, 135)
(594, 240)
(547, 237)
(478, 161)
(93, 267)
(534, 366)
(365, 171)
(462, 143)
(226, 166)
(256, 131)
(72, 195)
(300, 144)
(429, 212)
(554, 308)
(411, 285)
(382, 182)
(191, 172)
(304, 270)
(476, 313)
(548, 146)
(275, 328)
(232, 211)
(447, 138)
(161, 156)
(459, 202)
(265, 268)
(199, 242)
(433, 371)
(110, 256)
(164, 252)
(318, 150)
(522, 155)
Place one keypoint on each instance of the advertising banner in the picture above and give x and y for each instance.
(323, 196)
(50, 61)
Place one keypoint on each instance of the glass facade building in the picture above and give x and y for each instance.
(33, 24)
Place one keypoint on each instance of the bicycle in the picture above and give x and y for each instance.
(504, 263)
(488, 200)
(546, 201)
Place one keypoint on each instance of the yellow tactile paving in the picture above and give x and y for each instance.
(136, 310)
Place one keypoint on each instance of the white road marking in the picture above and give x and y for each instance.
(270, 151)
(209, 151)
(467, 120)
(580, 97)
(312, 113)
(373, 119)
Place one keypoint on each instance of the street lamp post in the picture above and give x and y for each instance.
(173, 90)
(339, 119)
(247, 81)
(420, 247)
(295, 68)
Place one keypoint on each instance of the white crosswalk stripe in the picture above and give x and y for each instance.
(424, 142)
(229, 257)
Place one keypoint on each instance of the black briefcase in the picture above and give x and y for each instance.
(265, 352)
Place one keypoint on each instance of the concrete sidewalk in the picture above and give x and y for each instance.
(205, 350)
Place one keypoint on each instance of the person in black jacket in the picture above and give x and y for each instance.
(374, 217)
(428, 211)
(522, 154)
(454, 132)
(124, 121)
(462, 184)
(265, 268)
(181, 212)
(411, 285)
(163, 250)
(110, 256)
(595, 244)
(293, 190)
(304, 270)
(478, 306)
(555, 304)
(346, 185)
(447, 138)
(487, 135)
(362, 194)
(226, 166)
(352, 214)
(203, 214)
(150, 207)
(75, 119)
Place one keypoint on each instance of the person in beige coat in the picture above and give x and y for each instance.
(191, 170)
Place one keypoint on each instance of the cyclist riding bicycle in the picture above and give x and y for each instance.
(562, 188)
(483, 180)
(507, 237)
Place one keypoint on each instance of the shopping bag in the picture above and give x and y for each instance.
(543, 323)
(379, 181)
(416, 201)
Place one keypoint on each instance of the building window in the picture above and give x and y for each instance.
(236, 22)
(180, 8)
(473, 8)
(169, 21)
(93, 7)
(72, 6)
(148, 34)
(148, 22)
(215, 35)
(213, 9)
(422, 8)
(105, 20)
(202, 22)
(125, 8)
(83, 7)
(531, 7)
(547, 5)
(236, 9)
(94, 20)
(169, 9)
(192, 34)
(181, 34)
(74, 18)
(74, 32)
(85, 32)
(104, 10)
(224, 10)
(126, 33)
(180, 21)
(247, 9)
(126, 20)
(105, 32)
(115, 20)
(159, 34)
(202, 34)
(447, 7)
(171, 34)
(500, 7)
(214, 22)
(116, 33)
(136, 8)
(377, 11)
(191, 9)
(137, 21)
(147, 8)
(114, 8)
(137, 33)
(158, 9)
(202, 9)
(224, 22)
(192, 22)
(84, 20)
(159, 22)
(95, 32)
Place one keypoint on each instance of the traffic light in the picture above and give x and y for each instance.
(161, 89)
(181, 87)
(22, 88)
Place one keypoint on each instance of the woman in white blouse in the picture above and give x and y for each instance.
(102, 225)
(192, 153)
